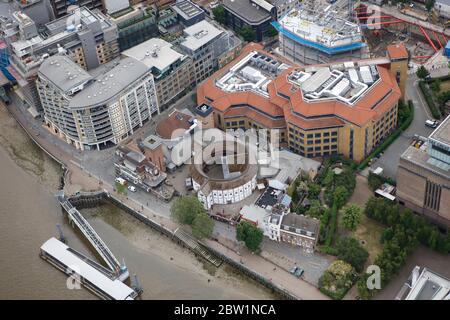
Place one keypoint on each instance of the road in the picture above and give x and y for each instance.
(391, 157)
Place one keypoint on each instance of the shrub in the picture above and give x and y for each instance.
(350, 250)
(422, 72)
(340, 196)
(331, 230)
(337, 279)
(429, 99)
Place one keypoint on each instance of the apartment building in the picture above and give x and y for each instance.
(172, 70)
(88, 37)
(423, 176)
(343, 108)
(209, 46)
(98, 111)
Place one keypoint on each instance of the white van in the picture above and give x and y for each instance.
(432, 123)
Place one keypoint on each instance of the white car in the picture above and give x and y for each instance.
(132, 188)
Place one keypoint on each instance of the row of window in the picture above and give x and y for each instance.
(313, 135)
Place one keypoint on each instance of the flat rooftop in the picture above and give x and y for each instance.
(63, 72)
(248, 11)
(321, 27)
(442, 132)
(154, 53)
(429, 286)
(421, 158)
(346, 81)
(254, 214)
(269, 198)
(187, 9)
(200, 34)
(110, 83)
(253, 72)
(113, 288)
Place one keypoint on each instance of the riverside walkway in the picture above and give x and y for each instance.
(87, 181)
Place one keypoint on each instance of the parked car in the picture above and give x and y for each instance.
(294, 269)
(432, 123)
(132, 188)
(299, 272)
(121, 181)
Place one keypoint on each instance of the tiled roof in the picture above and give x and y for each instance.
(397, 51)
(378, 98)
(176, 120)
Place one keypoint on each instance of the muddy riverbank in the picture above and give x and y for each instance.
(28, 216)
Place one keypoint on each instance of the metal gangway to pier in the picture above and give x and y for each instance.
(77, 218)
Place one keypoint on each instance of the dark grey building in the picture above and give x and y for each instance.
(188, 12)
(256, 14)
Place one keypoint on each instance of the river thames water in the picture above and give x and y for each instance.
(29, 213)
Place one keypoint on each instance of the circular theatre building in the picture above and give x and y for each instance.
(223, 174)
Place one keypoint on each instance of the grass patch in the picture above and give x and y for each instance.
(369, 234)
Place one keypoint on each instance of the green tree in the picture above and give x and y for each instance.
(429, 4)
(315, 210)
(313, 190)
(374, 181)
(351, 216)
(220, 14)
(340, 196)
(422, 72)
(247, 33)
(203, 226)
(328, 179)
(250, 234)
(271, 31)
(185, 209)
(436, 85)
(351, 251)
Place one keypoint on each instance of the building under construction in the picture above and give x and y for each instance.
(319, 32)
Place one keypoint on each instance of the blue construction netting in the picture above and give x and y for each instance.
(315, 45)
(4, 61)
